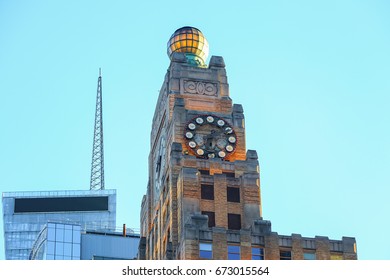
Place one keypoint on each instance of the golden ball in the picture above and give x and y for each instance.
(190, 41)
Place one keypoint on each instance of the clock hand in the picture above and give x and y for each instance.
(210, 137)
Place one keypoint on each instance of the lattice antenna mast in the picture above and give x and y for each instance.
(97, 167)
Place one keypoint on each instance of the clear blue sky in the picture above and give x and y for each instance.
(312, 76)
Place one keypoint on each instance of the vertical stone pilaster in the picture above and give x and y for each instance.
(220, 200)
(297, 249)
(173, 183)
(323, 248)
(250, 199)
(246, 244)
(272, 246)
(191, 249)
(219, 243)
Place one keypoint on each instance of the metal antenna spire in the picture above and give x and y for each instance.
(97, 167)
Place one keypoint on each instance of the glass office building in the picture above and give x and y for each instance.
(58, 241)
(25, 214)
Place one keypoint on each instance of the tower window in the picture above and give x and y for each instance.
(229, 174)
(233, 194)
(309, 256)
(234, 221)
(233, 252)
(285, 255)
(206, 250)
(211, 216)
(257, 254)
(207, 192)
(204, 172)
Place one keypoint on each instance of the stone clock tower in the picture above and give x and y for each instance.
(203, 196)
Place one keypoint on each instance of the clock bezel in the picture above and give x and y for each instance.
(214, 121)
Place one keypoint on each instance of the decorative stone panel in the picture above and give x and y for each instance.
(199, 87)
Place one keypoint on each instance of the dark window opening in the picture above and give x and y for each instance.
(233, 194)
(285, 255)
(229, 174)
(211, 216)
(234, 221)
(207, 192)
(204, 172)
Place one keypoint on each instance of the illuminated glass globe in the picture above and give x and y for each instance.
(190, 41)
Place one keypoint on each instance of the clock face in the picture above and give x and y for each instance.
(159, 167)
(209, 136)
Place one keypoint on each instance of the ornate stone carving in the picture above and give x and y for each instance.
(199, 87)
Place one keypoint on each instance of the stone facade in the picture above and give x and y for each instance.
(212, 202)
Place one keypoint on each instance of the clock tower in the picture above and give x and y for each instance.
(200, 174)
(203, 195)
